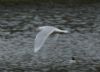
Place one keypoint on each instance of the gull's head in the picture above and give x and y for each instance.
(41, 28)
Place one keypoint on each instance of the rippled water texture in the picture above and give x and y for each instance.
(18, 30)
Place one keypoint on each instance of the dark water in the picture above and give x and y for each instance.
(18, 30)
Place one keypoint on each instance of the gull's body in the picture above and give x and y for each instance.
(41, 37)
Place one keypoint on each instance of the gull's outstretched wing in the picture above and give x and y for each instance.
(41, 38)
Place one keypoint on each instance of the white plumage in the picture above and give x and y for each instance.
(41, 37)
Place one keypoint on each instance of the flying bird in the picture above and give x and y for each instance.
(44, 33)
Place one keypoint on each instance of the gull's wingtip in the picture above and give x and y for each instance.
(36, 50)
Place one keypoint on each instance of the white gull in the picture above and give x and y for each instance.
(41, 37)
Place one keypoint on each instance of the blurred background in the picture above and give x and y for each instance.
(66, 2)
(78, 51)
